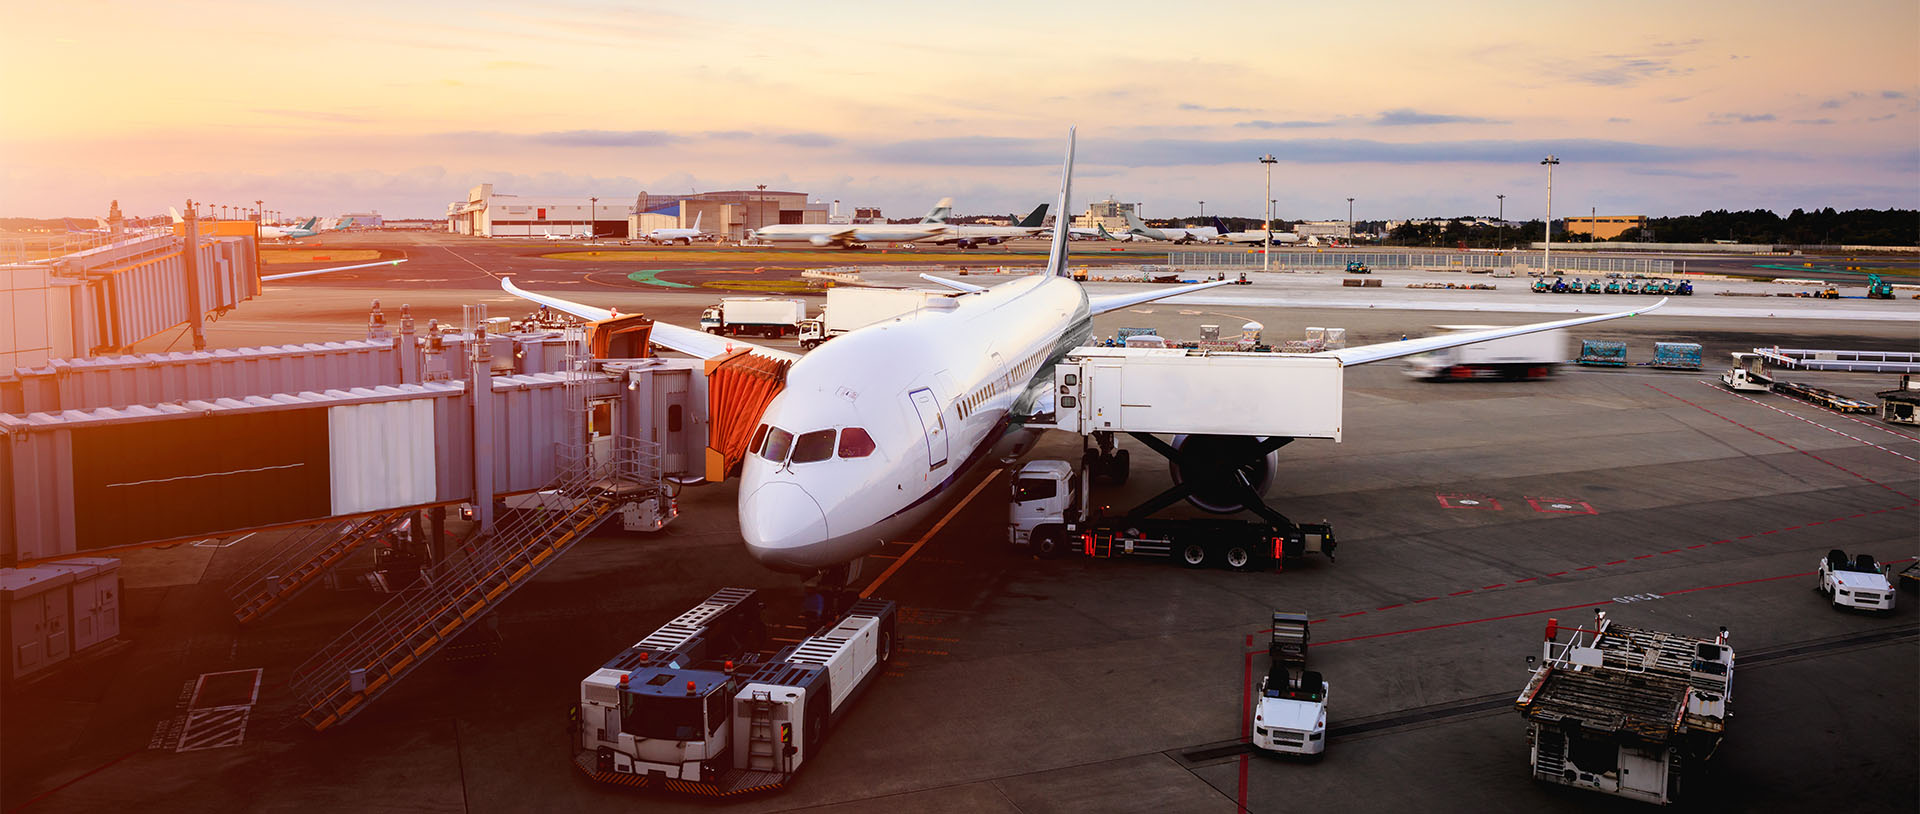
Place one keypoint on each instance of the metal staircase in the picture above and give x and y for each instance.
(372, 656)
(1552, 759)
(763, 750)
(299, 562)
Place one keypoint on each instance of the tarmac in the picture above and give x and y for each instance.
(1025, 685)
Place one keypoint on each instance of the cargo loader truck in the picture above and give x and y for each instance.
(696, 708)
(763, 316)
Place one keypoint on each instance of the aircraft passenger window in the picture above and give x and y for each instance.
(778, 442)
(855, 443)
(813, 446)
(759, 435)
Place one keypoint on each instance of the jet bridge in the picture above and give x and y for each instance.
(1192, 392)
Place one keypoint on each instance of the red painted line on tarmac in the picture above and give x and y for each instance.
(1698, 545)
(1246, 719)
(1389, 607)
(1797, 417)
(1741, 582)
(1558, 574)
(1428, 599)
(50, 792)
(1586, 568)
(1491, 587)
(1616, 562)
(1461, 593)
(1316, 621)
(1466, 622)
(1790, 446)
(1640, 557)
(1355, 613)
(1528, 579)
(1671, 551)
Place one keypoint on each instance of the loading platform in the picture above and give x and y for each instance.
(1847, 361)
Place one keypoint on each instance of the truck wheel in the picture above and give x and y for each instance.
(1046, 543)
(1118, 466)
(1194, 555)
(884, 651)
(1238, 559)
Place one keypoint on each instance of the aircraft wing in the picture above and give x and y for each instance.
(1115, 302)
(1394, 350)
(672, 337)
(956, 285)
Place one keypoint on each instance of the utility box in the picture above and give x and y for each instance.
(33, 619)
(95, 605)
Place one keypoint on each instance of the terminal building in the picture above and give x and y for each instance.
(727, 213)
(1603, 227)
(1109, 213)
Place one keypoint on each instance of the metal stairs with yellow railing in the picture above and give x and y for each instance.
(371, 657)
(299, 563)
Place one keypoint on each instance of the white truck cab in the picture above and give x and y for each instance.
(1290, 715)
(1748, 373)
(1859, 583)
(1043, 493)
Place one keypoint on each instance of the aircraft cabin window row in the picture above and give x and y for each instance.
(779, 446)
(1020, 373)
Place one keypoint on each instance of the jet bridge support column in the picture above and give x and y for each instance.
(479, 395)
(190, 265)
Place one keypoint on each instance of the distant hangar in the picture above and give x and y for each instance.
(727, 213)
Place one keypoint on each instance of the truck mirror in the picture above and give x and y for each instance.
(1529, 662)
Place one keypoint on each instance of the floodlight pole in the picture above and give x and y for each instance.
(1266, 254)
(1546, 261)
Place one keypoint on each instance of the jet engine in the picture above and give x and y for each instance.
(1221, 468)
(820, 240)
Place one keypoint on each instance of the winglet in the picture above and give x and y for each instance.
(1057, 256)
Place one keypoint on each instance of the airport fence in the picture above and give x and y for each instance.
(1425, 261)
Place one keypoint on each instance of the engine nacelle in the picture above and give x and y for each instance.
(1218, 468)
(820, 240)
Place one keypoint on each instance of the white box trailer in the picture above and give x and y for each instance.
(851, 308)
(770, 316)
(1184, 392)
(34, 614)
(1527, 356)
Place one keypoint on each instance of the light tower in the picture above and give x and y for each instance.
(1266, 254)
(1547, 260)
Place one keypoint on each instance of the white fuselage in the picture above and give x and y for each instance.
(934, 389)
(837, 235)
(960, 232)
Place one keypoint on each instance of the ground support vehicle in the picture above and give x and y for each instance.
(1878, 289)
(1632, 287)
(1613, 287)
(763, 316)
(1901, 405)
(1823, 397)
(1542, 286)
(695, 707)
(1358, 267)
(1859, 583)
(1626, 711)
(1290, 713)
(1529, 356)
(1596, 287)
(852, 307)
(1049, 516)
(1684, 288)
(1749, 373)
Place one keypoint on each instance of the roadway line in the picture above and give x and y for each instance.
(463, 258)
(1815, 423)
(1710, 412)
(884, 575)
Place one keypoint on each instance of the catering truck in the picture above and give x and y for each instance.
(765, 316)
(1626, 711)
(851, 307)
(695, 708)
(1528, 356)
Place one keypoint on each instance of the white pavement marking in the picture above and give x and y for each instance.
(1717, 388)
(214, 728)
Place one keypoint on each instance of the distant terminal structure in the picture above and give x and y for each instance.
(729, 214)
(1109, 213)
(1603, 227)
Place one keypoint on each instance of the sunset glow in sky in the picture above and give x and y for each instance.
(1414, 109)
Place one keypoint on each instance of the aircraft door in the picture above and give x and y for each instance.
(934, 425)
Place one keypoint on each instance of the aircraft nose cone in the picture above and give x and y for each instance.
(780, 521)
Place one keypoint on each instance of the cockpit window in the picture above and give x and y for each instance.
(855, 443)
(759, 436)
(813, 446)
(778, 442)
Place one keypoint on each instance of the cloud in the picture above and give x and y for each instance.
(808, 140)
(1401, 117)
(1659, 172)
(313, 115)
(727, 135)
(1204, 109)
(1813, 121)
(1624, 70)
(983, 151)
(1263, 124)
(607, 138)
(1892, 94)
(1618, 120)
(1741, 118)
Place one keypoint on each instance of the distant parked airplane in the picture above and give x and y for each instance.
(1252, 235)
(967, 236)
(858, 235)
(684, 236)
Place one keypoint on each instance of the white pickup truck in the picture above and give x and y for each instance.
(1859, 583)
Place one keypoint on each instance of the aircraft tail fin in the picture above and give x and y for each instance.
(696, 220)
(1035, 219)
(310, 223)
(176, 215)
(940, 212)
(1101, 230)
(1057, 255)
(1220, 226)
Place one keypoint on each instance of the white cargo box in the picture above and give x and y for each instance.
(33, 619)
(1176, 391)
(95, 599)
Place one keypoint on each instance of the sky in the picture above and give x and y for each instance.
(1413, 109)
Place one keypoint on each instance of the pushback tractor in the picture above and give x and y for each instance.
(694, 708)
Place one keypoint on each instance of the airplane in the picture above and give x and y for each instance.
(968, 236)
(268, 232)
(74, 227)
(858, 235)
(919, 401)
(1168, 233)
(686, 236)
(1257, 236)
(1100, 232)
